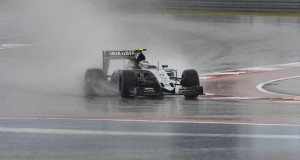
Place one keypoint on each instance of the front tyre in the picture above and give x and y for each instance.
(190, 79)
(127, 84)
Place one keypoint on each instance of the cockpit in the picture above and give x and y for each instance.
(146, 64)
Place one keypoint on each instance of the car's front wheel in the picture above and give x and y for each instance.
(190, 79)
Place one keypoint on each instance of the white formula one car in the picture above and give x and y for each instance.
(139, 78)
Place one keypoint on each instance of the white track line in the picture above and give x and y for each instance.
(123, 133)
(8, 46)
(260, 86)
(160, 121)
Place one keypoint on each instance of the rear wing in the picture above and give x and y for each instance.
(124, 54)
(118, 54)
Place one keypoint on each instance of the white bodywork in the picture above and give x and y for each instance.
(163, 78)
(160, 74)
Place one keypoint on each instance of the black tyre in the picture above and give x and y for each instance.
(93, 79)
(127, 84)
(190, 78)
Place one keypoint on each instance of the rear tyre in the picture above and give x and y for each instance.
(127, 83)
(93, 79)
(190, 78)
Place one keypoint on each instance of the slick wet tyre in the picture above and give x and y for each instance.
(126, 84)
(190, 78)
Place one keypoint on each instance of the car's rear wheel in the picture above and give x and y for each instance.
(93, 79)
(190, 78)
(127, 83)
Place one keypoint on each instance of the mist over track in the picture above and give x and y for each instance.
(45, 114)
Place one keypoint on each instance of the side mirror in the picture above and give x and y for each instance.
(165, 66)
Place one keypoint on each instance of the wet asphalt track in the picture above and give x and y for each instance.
(56, 124)
(288, 86)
